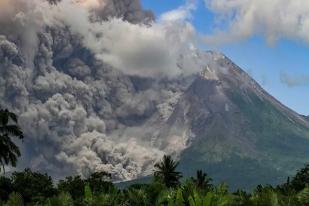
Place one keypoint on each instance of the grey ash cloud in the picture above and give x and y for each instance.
(72, 78)
(130, 10)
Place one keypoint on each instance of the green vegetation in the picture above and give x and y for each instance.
(32, 188)
(166, 171)
(259, 138)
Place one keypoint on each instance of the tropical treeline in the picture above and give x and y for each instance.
(167, 188)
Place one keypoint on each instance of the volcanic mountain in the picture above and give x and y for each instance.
(80, 114)
(242, 134)
(233, 129)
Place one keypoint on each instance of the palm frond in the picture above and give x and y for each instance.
(13, 130)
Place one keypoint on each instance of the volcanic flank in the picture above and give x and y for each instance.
(91, 97)
(239, 129)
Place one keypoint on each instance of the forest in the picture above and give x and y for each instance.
(167, 187)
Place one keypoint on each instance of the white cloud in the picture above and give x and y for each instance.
(91, 4)
(294, 80)
(182, 13)
(274, 19)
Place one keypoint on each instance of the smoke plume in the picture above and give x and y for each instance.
(92, 81)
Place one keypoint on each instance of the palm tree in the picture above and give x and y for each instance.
(166, 171)
(9, 152)
(202, 181)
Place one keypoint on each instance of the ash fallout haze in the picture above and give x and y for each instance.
(113, 85)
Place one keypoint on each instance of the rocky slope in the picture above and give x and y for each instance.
(306, 117)
(242, 134)
(232, 128)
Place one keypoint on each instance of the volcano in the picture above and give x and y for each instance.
(242, 135)
(233, 129)
(80, 113)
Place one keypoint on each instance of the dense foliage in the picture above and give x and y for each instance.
(32, 188)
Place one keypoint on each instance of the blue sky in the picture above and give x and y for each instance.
(267, 63)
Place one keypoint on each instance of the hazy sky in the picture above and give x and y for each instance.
(274, 49)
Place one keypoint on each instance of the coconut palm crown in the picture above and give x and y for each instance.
(166, 171)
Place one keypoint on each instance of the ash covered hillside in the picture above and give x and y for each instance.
(306, 117)
(105, 88)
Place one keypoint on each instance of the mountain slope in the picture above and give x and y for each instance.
(241, 134)
(306, 117)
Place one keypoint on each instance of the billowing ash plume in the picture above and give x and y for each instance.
(126, 9)
(82, 82)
